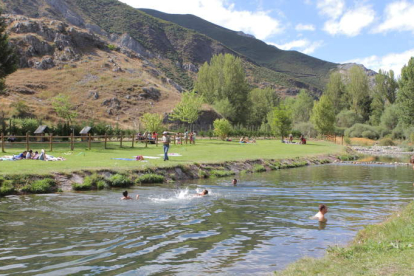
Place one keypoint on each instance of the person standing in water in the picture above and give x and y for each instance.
(166, 141)
(126, 196)
(323, 209)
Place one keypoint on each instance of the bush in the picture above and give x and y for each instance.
(42, 186)
(6, 187)
(386, 142)
(359, 130)
(120, 180)
(397, 133)
(348, 118)
(347, 140)
(150, 178)
(221, 173)
(85, 186)
(94, 181)
(306, 129)
(259, 168)
(222, 128)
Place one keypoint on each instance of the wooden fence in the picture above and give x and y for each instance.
(334, 138)
(51, 140)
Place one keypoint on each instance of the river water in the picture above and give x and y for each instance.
(257, 227)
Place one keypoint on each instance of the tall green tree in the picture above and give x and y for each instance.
(323, 115)
(262, 102)
(383, 93)
(280, 120)
(223, 81)
(8, 58)
(302, 107)
(188, 109)
(358, 92)
(405, 96)
(64, 108)
(152, 122)
(335, 90)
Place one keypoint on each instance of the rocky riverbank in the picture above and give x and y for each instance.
(392, 151)
(21, 184)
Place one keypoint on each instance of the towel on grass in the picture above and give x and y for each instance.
(149, 157)
(171, 154)
(128, 159)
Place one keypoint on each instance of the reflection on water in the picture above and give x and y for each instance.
(257, 227)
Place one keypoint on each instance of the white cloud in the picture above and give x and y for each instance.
(331, 8)
(399, 16)
(303, 27)
(352, 21)
(302, 45)
(221, 12)
(392, 61)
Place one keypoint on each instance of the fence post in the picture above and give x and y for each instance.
(2, 142)
(89, 140)
(51, 141)
(72, 142)
(174, 139)
(156, 140)
(106, 138)
(27, 141)
(342, 140)
(146, 142)
(120, 142)
(133, 140)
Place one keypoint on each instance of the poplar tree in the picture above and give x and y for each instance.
(358, 92)
(188, 109)
(280, 120)
(405, 96)
(323, 115)
(335, 90)
(384, 93)
(8, 58)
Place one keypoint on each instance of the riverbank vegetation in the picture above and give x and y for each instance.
(383, 249)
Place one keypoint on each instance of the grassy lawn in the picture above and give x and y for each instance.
(205, 151)
(384, 249)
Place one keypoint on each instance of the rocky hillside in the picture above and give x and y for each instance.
(104, 81)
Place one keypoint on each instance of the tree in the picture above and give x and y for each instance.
(302, 107)
(335, 90)
(405, 96)
(348, 118)
(20, 109)
(222, 128)
(279, 120)
(262, 102)
(8, 58)
(384, 92)
(358, 92)
(323, 115)
(390, 117)
(224, 80)
(64, 108)
(152, 122)
(188, 109)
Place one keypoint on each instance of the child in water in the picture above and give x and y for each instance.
(203, 193)
(126, 197)
(323, 209)
(234, 182)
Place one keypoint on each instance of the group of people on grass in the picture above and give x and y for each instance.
(29, 154)
(247, 140)
(302, 140)
(147, 136)
(186, 136)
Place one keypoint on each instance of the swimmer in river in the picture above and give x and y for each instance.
(234, 182)
(323, 209)
(203, 193)
(126, 197)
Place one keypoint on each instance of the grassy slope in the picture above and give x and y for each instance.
(293, 63)
(384, 249)
(204, 151)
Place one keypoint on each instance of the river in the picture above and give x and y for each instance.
(257, 227)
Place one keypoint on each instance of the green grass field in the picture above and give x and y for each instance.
(205, 151)
(383, 249)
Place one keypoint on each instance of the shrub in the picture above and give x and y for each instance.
(95, 181)
(150, 178)
(111, 47)
(6, 187)
(222, 128)
(221, 173)
(43, 186)
(259, 168)
(386, 142)
(348, 118)
(120, 180)
(347, 140)
(306, 129)
(358, 130)
(85, 186)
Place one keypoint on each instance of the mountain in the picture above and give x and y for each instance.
(297, 65)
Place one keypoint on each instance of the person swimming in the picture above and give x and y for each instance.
(234, 182)
(323, 209)
(203, 193)
(126, 197)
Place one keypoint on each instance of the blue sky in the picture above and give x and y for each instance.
(376, 33)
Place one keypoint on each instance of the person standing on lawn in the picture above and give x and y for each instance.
(166, 141)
